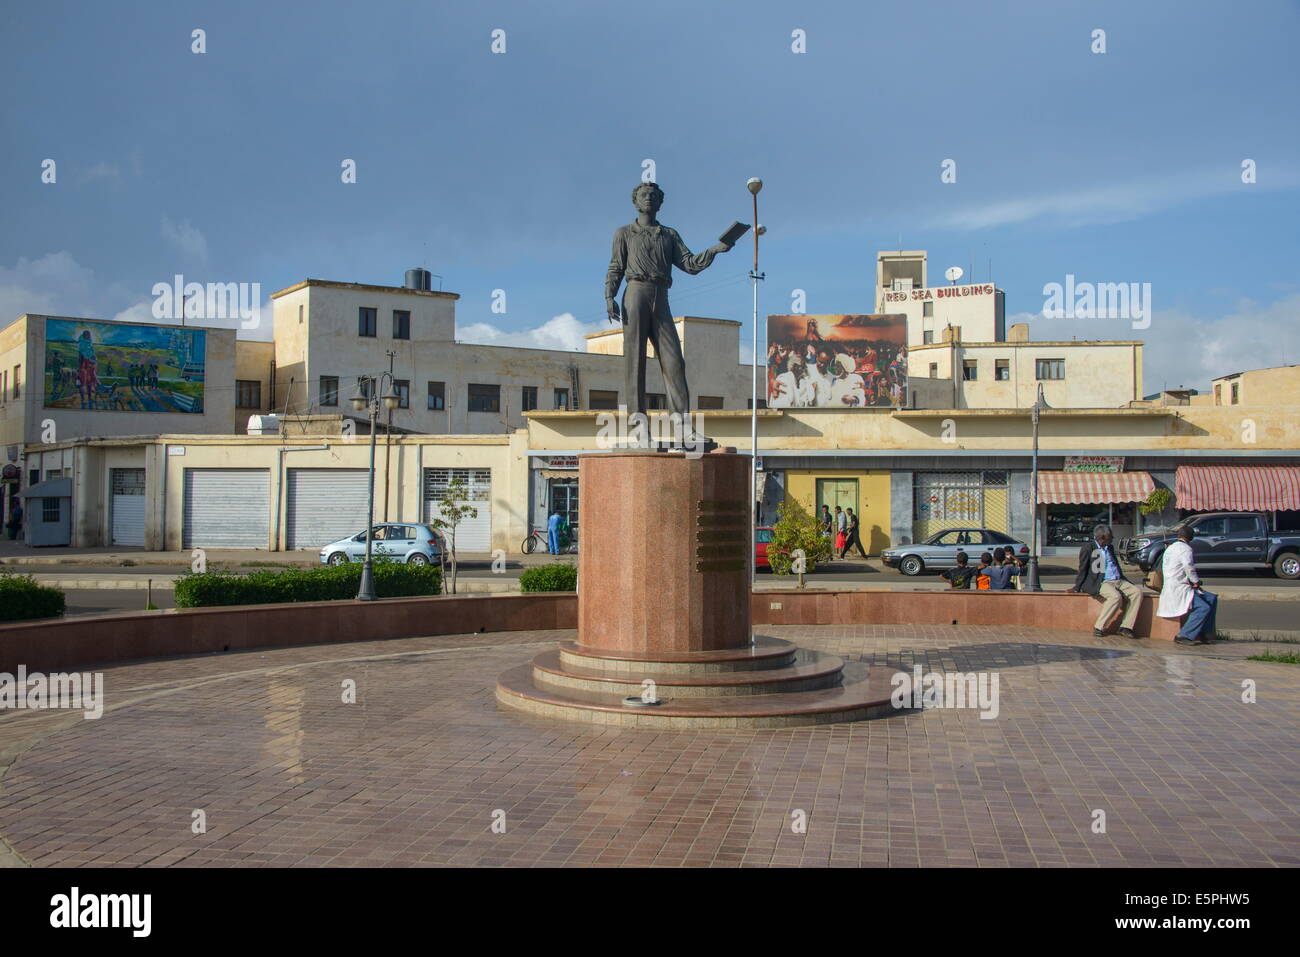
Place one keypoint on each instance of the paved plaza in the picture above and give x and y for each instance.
(419, 769)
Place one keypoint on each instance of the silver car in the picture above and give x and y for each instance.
(414, 544)
(940, 550)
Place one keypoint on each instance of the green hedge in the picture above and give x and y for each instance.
(21, 598)
(327, 583)
(560, 576)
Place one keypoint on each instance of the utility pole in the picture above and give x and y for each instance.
(388, 431)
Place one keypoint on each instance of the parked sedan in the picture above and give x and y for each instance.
(940, 550)
(762, 539)
(414, 544)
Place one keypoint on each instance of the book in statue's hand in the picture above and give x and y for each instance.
(734, 232)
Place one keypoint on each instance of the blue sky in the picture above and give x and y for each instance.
(511, 171)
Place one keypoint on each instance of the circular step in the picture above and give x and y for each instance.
(764, 653)
(810, 671)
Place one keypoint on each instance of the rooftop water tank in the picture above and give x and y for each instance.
(263, 425)
(419, 279)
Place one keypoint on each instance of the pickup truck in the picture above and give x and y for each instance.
(1223, 540)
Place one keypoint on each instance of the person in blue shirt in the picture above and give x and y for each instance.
(553, 533)
(1000, 571)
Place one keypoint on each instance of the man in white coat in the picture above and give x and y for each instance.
(1182, 594)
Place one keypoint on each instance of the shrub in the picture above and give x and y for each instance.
(796, 529)
(329, 583)
(559, 576)
(22, 598)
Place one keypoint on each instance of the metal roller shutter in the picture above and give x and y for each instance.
(226, 508)
(128, 506)
(325, 505)
(472, 534)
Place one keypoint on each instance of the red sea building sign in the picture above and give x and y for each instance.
(940, 292)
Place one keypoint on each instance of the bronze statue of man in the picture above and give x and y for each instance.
(644, 253)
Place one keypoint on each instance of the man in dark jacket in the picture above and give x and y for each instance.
(1100, 576)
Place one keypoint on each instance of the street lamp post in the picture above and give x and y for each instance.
(1032, 571)
(754, 185)
(371, 403)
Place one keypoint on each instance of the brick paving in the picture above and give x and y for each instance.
(1154, 735)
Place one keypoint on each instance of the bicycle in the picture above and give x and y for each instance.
(537, 539)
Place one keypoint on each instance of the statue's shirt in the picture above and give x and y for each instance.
(649, 253)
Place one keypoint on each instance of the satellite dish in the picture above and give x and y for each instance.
(954, 273)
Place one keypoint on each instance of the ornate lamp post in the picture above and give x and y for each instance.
(754, 185)
(370, 400)
(1031, 573)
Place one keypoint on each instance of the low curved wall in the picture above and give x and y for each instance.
(54, 645)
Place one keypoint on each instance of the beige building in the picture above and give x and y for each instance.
(976, 311)
(330, 335)
(1279, 385)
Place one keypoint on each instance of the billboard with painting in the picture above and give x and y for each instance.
(119, 367)
(836, 361)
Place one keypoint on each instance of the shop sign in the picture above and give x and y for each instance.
(560, 461)
(1094, 463)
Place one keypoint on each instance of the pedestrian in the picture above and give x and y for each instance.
(553, 525)
(1181, 593)
(841, 532)
(959, 577)
(827, 521)
(1100, 576)
(854, 539)
(15, 519)
(982, 580)
(999, 573)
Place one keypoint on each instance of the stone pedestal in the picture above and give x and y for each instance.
(664, 611)
(664, 564)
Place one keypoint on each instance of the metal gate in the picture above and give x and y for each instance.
(127, 506)
(325, 505)
(472, 534)
(226, 508)
(943, 500)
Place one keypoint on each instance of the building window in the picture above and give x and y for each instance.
(528, 398)
(18, 381)
(248, 394)
(656, 400)
(934, 370)
(328, 392)
(749, 403)
(1002, 370)
(401, 324)
(403, 389)
(602, 399)
(4, 386)
(484, 398)
(437, 395)
(49, 510)
(970, 369)
(1218, 395)
(927, 337)
(367, 321)
(708, 402)
(1236, 392)
(366, 386)
(300, 314)
(562, 399)
(1050, 368)
(927, 309)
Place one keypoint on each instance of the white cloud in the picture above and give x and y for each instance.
(97, 172)
(563, 333)
(54, 284)
(187, 239)
(1111, 203)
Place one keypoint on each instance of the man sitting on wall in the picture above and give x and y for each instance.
(1100, 576)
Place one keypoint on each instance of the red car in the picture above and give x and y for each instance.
(762, 538)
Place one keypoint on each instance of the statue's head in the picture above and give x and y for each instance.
(647, 197)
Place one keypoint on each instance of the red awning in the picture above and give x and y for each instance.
(1238, 488)
(1093, 488)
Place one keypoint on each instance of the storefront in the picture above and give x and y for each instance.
(866, 491)
(1274, 489)
(1089, 491)
(555, 488)
(973, 499)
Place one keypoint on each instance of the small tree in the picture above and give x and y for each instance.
(796, 530)
(455, 509)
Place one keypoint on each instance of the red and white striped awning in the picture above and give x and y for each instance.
(1093, 488)
(1238, 488)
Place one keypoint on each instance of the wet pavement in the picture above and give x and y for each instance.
(426, 769)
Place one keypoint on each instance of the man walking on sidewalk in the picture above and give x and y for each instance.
(853, 539)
